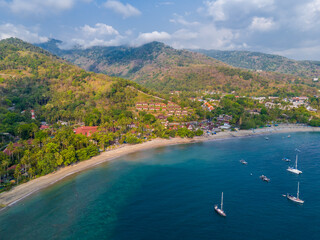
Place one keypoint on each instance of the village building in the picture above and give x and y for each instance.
(86, 130)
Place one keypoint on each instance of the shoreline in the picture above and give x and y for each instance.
(24, 190)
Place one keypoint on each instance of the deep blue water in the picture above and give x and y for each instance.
(169, 193)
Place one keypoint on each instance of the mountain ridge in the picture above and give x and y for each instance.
(265, 62)
(164, 69)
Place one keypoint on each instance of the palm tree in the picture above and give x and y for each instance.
(5, 164)
(17, 172)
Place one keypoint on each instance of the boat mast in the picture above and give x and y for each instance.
(221, 200)
(297, 161)
(298, 191)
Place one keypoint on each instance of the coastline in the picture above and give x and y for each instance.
(26, 189)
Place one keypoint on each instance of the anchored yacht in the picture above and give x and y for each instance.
(220, 210)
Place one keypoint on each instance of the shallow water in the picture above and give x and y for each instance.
(169, 193)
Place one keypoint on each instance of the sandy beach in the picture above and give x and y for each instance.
(21, 191)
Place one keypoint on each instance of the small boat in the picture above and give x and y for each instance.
(286, 159)
(243, 162)
(266, 138)
(295, 199)
(289, 136)
(264, 178)
(295, 169)
(220, 210)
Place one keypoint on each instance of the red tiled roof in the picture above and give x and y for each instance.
(8, 151)
(44, 127)
(87, 131)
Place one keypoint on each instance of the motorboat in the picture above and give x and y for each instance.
(286, 159)
(243, 162)
(264, 178)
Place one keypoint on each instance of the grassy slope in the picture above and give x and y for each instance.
(265, 62)
(163, 68)
(32, 78)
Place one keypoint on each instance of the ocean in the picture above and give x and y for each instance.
(170, 192)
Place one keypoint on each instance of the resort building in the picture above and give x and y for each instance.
(87, 131)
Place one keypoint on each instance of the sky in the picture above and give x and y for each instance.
(289, 28)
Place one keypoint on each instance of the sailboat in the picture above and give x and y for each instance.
(294, 170)
(295, 199)
(220, 210)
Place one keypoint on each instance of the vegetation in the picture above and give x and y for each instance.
(164, 69)
(266, 62)
(64, 97)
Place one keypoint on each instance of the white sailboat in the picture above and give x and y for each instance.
(220, 210)
(295, 199)
(295, 169)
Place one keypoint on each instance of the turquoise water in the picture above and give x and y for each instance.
(169, 193)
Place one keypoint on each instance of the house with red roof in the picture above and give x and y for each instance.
(85, 130)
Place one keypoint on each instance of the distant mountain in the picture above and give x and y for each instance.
(164, 69)
(265, 62)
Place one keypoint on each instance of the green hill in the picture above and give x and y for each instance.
(166, 69)
(32, 78)
(265, 62)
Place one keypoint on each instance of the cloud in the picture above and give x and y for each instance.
(98, 35)
(301, 53)
(19, 31)
(100, 29)
(223, 10)
(262, 24)
(168, 3)
(150, 37)
(310, 16)
(182, 21)
(39, 6)
(87, 43)
(204, 36)
(126, 10)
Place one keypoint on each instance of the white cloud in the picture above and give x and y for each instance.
(166, 3)
(9, 30)
(98, 35)
(126, 10)
(262, 24)
(300, 53)
(222, 10)
(185, 34)
(100, 29)
(39, 6)
(204, 36)
(150, 37)
(181, 20)
(310, 16)
(87, 43)
(215, 10)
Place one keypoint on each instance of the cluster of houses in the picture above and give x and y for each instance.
(222, 123)
(162, 109)
(269, 102)
(208, 106)
(293, 102)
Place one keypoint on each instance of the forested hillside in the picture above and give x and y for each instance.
(165, 69)
(34, 79)
(54, 114)
(265, 62)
